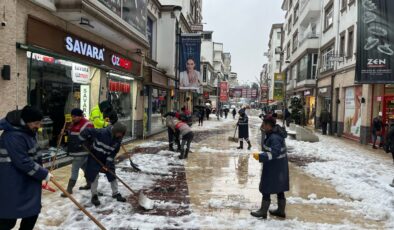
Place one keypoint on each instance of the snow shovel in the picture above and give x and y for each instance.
(134, 166)
(77, 204)
(143, 200)
(233, 138)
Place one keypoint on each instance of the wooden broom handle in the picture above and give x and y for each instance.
(77, 204)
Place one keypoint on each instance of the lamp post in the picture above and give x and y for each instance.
(218, 96)
(177, 13)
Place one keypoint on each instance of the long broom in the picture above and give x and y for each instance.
(233, 138)
(143, 200)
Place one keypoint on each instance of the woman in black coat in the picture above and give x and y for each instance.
(275, 175)
(243, 129)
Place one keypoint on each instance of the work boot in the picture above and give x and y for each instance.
(182, 156)
(85, 187)
(280, 212)
(374, 147)
(262, 212)
(249, 145)
(171, 148)
(392, 184)
(241, 145)
(70, 186)
(186, 153)
(119, 197)
(95, 201)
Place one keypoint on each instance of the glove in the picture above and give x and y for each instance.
(49, 176)
(256, 156)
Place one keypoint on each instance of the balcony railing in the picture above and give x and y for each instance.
(308, 37)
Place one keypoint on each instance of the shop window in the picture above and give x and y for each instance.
(314, 66)
(55, 89)
(158, 108)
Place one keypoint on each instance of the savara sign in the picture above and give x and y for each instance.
(83, 48)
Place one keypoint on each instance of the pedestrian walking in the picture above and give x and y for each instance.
(173, 137)
(21, 171)
(377, 128)
(243, 129)
(183, 130)
(106, 143)
(389, 145)
(325, 118)
(275, 173)
(234, 112)
(201, 114)
(207, 112)
(76, 150)
(226, 111)
(287, 117)
(97, 115)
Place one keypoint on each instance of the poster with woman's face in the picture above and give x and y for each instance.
(190, 77)
(353, 110)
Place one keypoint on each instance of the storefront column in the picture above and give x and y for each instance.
(341, 112)
(138, 109)
(366, 111)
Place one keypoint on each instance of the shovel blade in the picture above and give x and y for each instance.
(145, 202)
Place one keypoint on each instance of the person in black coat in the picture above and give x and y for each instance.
(234, 113)
(173, 137)
(325, 118)
(243, 129)
(377, 128)
(275, 174)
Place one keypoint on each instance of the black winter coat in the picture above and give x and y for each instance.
(275, 174)
(243, 126)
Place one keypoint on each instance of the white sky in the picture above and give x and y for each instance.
(243, 27)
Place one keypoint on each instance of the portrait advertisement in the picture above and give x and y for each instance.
(190, 77)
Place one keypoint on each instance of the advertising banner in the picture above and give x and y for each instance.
(223, 91)
(189, 67)
(278, 87)
(375, 40)
(80, 73)
(353, 111)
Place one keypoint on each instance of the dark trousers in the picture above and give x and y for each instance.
(26, 224)
(187, 140)
(280, 196)
(207, 116)
(324, 127)
(173, 137)
(201, 120)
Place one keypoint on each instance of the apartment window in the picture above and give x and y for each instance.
(289, 25)
(149, 32)
(278, 35)
(288, 51)
(204, 74)
(302, 70)
(295, 41)
(290, 4)
(294, 72)
(350, 41)
(277, 65)
(326, 54)
(329, 16)
(351, 2)
(314, 65)
(344, 5)
(342, 42)
(296, 12)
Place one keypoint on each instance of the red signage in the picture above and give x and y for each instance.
(121, 62)
(223, 91)
(206, 95)
(115, 86)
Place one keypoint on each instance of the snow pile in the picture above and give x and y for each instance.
(354, 172)
(152, 144)
(157, 163)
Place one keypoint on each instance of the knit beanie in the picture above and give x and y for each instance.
(31, 114)
(118, 128)
(77, 112)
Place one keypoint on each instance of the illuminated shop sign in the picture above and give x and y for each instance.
(121, 62)
(84, 48)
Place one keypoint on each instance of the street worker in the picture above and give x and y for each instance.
(21, 171)
(76, 150)
(97, 115)
(243, 129)
(182, 129)
(186, 116)
(172, 135)
(275, 173)
(105, 145)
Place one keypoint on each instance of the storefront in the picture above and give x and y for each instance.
(157, 100)
(310, 108)
(353, 112)
(383, 101)
(67, 71)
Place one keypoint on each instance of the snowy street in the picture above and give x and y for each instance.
(334, 184)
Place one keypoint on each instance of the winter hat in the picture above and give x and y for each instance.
(118, 128)
(31, 114)
(104, 106)
(77, 112)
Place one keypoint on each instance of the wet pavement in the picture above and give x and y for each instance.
(221, 182)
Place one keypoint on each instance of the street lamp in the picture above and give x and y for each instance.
(218, 96)
(177, 14)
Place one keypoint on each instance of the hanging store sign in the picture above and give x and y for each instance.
(80, 73)
(375, 40)
(223, 91)
(84, 100)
